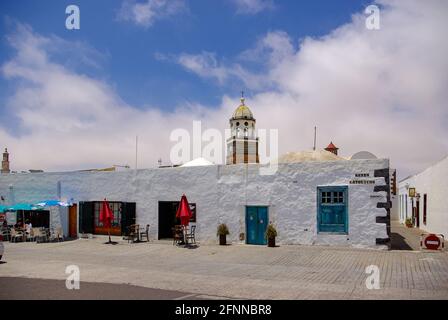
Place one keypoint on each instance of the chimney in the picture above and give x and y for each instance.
(332, 148)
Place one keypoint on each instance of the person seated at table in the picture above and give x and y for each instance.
(28, 227)
(5, 224)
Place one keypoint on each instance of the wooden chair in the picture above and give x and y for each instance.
(145, 233)
(191, 235)
(178, 235)
(132, 233)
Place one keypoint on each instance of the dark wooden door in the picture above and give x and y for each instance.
(417, 214)
(72, 221)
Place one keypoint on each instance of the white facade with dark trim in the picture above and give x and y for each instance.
(223, 192)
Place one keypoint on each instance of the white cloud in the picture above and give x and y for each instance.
(148, 12)
(382, 91)
(207, 66)
(253, 6)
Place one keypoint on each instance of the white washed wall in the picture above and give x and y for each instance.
(434, 182)
(221, 194)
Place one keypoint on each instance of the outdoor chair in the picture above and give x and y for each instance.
(16, 235)
(6, 233)
(178, 235)
(192, 235)
(132, 233)
(32, 235)
(42, 235)
(57, 234)
(145, 233)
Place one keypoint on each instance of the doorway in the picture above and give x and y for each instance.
(167, 217)
(256, 224)
(417, 213)
(73, 221)
(38, 218)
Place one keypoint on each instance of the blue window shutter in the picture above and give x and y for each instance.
(332, 215)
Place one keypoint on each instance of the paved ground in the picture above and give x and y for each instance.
(237, 271)
(31, 289)
(404, 238)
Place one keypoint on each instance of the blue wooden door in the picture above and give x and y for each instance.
(332, 209)
(256, 224)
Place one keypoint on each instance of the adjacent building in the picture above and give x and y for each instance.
(423, 199)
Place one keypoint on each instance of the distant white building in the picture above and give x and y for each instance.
(428, 210)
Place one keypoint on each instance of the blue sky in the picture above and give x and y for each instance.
(128, 49)
(149, 67)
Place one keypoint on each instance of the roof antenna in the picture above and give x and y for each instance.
(315, 137)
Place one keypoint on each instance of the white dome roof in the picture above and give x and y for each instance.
(197, 163)
(363, 155)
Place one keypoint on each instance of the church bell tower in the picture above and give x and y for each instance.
(242, 146)
(5, 162)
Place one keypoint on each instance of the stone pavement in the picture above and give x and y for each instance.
(237, 271)
(404, 238)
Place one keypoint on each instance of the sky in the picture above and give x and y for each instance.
(76, 99)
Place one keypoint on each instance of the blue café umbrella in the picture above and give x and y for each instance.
(21, 206)
(52, 203)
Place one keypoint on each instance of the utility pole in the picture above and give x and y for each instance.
(136, 151)
(315, 137)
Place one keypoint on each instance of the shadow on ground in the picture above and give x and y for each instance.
(398, 242)
(43, 289)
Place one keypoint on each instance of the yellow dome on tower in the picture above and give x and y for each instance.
(242, 112)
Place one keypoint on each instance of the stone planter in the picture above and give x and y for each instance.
(271, 242)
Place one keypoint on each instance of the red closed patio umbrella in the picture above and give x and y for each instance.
(106, 217)
(184, 211)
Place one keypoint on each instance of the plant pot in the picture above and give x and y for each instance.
(271, 242)
(222, 240)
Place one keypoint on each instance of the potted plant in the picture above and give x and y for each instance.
(409, 223)
(270, 235)
(222, 232)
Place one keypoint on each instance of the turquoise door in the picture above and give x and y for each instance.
(332, 214)
(256, 224)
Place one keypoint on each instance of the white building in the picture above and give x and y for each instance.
(429, 208)
(319, 202)
(313, 197)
